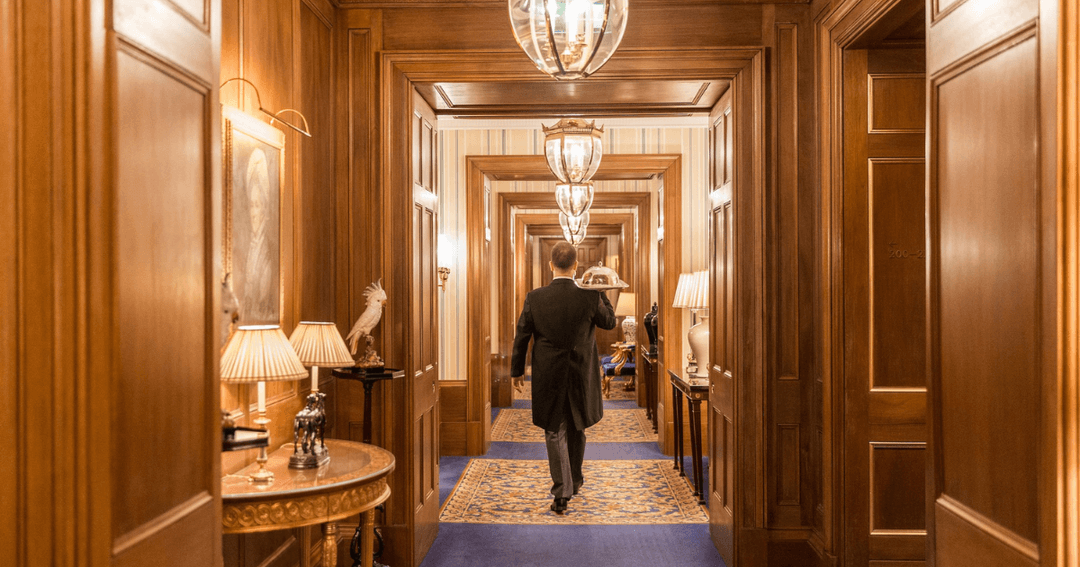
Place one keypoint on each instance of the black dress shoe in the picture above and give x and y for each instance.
(559, 505)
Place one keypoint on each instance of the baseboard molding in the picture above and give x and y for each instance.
(797, 547)
(452, 439)
(824, 558)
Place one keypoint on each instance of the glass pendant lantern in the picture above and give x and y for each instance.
(574, 238)
(574, 199)
(568, 39)
(574, 224)
(573, 149)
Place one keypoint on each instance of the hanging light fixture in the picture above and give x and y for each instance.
(573, 238)
(574, 224)
(573, 149)
(568, 39)
(574, 198)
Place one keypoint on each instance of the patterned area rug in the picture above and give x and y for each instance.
(618, 391)
(618, 426)
(500, 491)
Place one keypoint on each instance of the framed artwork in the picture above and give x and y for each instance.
(254, 153)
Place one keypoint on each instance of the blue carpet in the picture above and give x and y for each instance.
(498, 545)
(545, 546)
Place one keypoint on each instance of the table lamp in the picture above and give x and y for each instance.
(625, 308)
(693, 293)
(261, 354)
(699, 334)
(317, 344)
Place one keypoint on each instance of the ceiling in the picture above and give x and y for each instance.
(592, 97)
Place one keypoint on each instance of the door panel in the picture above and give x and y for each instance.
(991, 316)
(424, 367)
(167, 197)
(885, 307)
(722, 389)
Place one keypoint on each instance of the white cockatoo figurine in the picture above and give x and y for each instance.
(376, 297)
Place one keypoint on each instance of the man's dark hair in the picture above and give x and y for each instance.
(563, 255)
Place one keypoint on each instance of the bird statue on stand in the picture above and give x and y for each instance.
(376, 298)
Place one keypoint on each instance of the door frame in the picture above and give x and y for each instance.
(852, 22)
(745, 68)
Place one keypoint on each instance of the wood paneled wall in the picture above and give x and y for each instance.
(793, 447)
(72, 165)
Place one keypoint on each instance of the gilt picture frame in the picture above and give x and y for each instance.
(254, 173)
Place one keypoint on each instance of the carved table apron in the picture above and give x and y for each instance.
(353, 482)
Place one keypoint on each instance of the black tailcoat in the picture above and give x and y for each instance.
(561, 318)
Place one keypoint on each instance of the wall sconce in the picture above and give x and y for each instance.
(273, 115)
(446, 254)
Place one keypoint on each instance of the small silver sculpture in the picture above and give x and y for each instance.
(376, 298)
(309, 448)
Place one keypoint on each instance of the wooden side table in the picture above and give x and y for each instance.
(368, 378)
(353, 482)
(694, 393)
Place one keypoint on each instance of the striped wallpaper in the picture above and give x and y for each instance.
(457, 142)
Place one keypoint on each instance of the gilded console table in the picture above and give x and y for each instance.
(353, 482)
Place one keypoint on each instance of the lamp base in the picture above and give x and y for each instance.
(263, 474)
(699, 344)
(629, 329)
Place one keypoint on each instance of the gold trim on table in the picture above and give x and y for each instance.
(353, 482)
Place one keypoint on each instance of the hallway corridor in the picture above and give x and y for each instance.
(514, 527)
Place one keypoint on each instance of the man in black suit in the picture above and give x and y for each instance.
(561, 317)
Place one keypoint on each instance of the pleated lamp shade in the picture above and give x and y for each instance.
(683, 291)
(625, 306)
(320, 344)
(260, 353)
(699, 298)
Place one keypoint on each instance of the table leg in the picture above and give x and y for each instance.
(367, 411)
(329, 549)
(367, 537)
(695, 449)
(678, 422)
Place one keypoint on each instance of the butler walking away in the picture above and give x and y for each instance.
(560, 319)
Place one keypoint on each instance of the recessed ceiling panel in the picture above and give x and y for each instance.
(594, 97)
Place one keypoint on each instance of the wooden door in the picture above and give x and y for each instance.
(591, 252)
(992, 283)
(722, 380)
(165, 439)
(424, 369)
(884, 306)
(111, 209)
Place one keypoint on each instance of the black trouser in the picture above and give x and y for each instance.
(566, 453)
